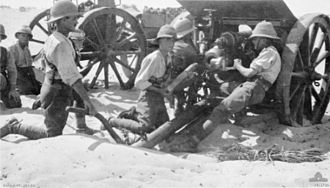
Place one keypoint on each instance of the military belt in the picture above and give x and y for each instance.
(262, 81)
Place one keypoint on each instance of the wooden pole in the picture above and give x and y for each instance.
(169, 128)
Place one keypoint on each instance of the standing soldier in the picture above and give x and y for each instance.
(21, 55)
(8, 74)
(61, 78)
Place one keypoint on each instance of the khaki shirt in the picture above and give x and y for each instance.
(153, 64)
(21, 57)
(267, 64)
(59, 51)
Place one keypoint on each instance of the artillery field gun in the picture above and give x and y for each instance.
(302, 87)
(301, 93)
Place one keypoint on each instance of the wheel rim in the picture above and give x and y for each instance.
(40, 30)
(304, 79)
(115, 38)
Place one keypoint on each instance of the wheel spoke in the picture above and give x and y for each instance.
(300, 61)
(321, 57)
(37, 41)
(308, 103)
(106, 75)
(95, 46)
(315, 95)
(320, 105)
(43, 29)
(314, 55)
(126, 40)
(115, 70)
(317, 48)
(97, 31)
(293, 93)
(110, 29)
(123, 64)
(302, 75)
(312, 36)
(133, 60)
(91, 54)
(101, 65)
(304, 51)
(321, 41)
(89, 66)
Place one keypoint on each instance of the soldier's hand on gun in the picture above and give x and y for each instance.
(237, 62)
(169, 96)
(91, 109)
(13, 94)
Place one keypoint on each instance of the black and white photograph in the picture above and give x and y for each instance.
(164, 93)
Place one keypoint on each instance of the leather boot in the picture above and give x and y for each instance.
(15, 127)
(82, 128)
(6, 128)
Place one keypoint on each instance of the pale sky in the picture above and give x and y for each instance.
(298, 7)
(48, 3)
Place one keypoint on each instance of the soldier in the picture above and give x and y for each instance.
(20, 53)
(8, 75)
(77, 38)
(61, 78)
(184, 54)
(150, 80)
(261, 74)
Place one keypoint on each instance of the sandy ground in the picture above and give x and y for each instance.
(83, 161)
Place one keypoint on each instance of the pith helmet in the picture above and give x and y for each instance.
(62, 9)
(166, 31)
(244, 30)
(264, 29)
(24, 29)
(2, 32)
(183, 27)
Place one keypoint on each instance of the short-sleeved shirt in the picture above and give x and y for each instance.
(59, 51)
(21, 56)
(154, 65)
(267, 64)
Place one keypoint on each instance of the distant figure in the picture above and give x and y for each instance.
(8, 74)
(21, 55)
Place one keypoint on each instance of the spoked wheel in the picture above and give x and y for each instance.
(304, 80)
(115, 38)
(40, 30)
